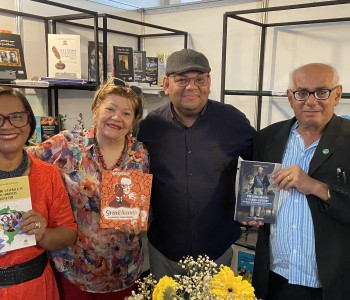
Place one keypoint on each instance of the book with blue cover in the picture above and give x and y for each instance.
(257, 197)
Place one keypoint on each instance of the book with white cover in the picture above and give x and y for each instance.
(64, 56)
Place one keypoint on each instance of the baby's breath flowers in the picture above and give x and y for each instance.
(202, 280)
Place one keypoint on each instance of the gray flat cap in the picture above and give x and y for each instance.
(187, 60)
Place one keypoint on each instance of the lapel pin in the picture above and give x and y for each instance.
(325, 151)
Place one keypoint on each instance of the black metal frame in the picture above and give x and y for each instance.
(238, 16)
(105, 30)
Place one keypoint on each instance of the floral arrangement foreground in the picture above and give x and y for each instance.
(202, 281)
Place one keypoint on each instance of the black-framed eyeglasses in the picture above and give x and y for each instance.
(183, 81)
(320, 94)
(119, 82)
(17, 119)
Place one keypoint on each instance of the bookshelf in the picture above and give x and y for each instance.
(295, 19)
(49, 24)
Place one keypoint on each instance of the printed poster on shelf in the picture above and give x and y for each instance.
(257, 197)
(162, 59)
(64, 56)
(15, 201)
(125, 199)
(92, 60)
(124, 63)
(12, 65)
(140, 66)
(152, 70)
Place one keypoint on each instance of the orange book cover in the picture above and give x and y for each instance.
(125, 199)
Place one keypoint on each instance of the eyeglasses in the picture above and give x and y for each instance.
(122, 83)
(183, 81)
(18, 119)
(321, 94)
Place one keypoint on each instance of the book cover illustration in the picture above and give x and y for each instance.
(124, 63)
(140, 66)
(92, 61)
(12, 64)
(152, 70)
(125, 199)
(49, 126)
(15, 201)
(162, 59)
(245, 264)
(257, 197)
(64, 55)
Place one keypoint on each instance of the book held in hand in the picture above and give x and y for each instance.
(257, 197)
(125, 199)
(15, 201)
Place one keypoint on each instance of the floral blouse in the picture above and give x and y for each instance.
(102, 260)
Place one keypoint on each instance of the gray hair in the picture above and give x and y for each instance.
(335, 80)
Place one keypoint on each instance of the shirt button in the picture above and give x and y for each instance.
(294, 226)
(294, 251)
(296, 200)
(190, 173)
(189, 151)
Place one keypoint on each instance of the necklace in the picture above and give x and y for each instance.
(19, 171)
(102, 160)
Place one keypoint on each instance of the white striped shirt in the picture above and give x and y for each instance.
(292, 236)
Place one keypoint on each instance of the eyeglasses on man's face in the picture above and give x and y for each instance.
(320, 94)
(183, 81)
(17, 119)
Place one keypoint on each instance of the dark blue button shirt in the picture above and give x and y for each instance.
(194, 169)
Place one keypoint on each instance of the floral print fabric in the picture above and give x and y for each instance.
(102, 260)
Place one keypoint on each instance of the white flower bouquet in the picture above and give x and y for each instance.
(202, 280)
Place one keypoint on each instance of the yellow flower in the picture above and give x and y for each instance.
(165, 289)
(227, 286)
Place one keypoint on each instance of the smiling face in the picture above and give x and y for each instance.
(12, 139)
(114, 118)
(314, 114)
(187, 101)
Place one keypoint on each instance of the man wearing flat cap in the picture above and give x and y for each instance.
(194, 144)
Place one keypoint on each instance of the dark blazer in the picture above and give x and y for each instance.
(332, 222)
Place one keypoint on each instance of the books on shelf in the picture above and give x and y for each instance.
(140, 66)
(124, 63)
(125, 199)
(92, 60)
(15, 201)
(62, 81)
(152, 69)
(12, 65)
(64, 56)
(257, 197)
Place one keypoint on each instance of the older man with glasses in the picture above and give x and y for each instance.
(305, 254)
(194, 144)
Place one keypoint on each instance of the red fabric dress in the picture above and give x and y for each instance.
(49, 197)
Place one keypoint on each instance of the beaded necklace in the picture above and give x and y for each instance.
(19, 171)
(102, 160)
